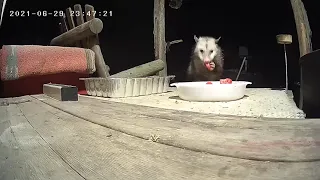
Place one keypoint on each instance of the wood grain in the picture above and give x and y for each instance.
(96, 152)
(159, 33)
(267, 141)
(24, 154)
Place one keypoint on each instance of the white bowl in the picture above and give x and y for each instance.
(200, 91)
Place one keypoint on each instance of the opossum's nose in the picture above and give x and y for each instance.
(207, 60)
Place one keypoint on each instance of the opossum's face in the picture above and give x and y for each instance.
(206, 48)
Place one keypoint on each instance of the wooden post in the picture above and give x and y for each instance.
(71, 23)
(63, 24)
(303, 27)
(70, 18)
(79, 20)
(159, 34)
(147, 69)
(103, 70)
(304, 36)
(89, 10)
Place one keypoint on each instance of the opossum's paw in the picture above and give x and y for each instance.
(211, 66)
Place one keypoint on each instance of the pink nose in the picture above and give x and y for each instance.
(207, 60)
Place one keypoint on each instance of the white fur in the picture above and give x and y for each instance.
(206, 48)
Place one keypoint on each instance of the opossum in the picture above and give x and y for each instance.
(206, 50)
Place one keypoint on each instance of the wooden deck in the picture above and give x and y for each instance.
(42, 138)
(257, 102)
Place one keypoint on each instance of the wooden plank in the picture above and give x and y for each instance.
(63, 24)
(87, 29)
(90, 14)
(268, 142)
(100, 153)
(78, 11)
(212, 119)
(69, 15)
(159, 33)
(24, 154)
(79, 19)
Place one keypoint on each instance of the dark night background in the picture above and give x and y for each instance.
(127, 37)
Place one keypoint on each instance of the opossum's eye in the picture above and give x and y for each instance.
(201, 50)
(211, 51)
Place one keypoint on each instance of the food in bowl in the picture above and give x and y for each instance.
(226, 81)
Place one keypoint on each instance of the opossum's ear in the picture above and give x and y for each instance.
(196, 38)
(217, 40)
